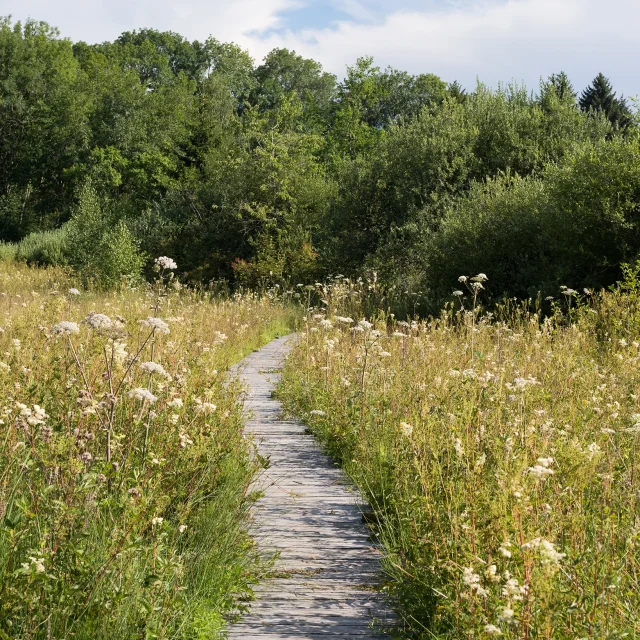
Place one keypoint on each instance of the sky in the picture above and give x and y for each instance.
(464, 40)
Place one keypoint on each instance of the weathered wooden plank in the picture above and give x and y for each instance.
(325, 579)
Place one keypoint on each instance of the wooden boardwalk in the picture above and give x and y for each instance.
(324, 578)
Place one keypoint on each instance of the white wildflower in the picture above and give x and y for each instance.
(407, 429)
(326, 324)
(156, 324)
(142, 395)
(507, 616)
(503, 551)
(514, 591)
(491, 573)
(480, 462)
(185, 440)
(74, 292)
(594, 449)
(458, 447)
(205, 407)
(182, 528)
(458, 293)
(165, 263)
(540, 472)
(317, 412)
(364, 325)
(344, 319)
(492, 630)
(157, 521)
(65, 328)
(175, 403)
(155, 368)
(99, 321)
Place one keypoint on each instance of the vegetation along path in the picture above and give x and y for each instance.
(324, 581)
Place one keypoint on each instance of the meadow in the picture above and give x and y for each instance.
(124, 472)
(498, 449)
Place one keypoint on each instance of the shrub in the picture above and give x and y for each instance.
(99, 246)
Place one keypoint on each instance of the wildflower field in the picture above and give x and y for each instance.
(499, 453)
(123, 468)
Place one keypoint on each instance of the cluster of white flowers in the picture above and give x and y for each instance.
(65, 328)
(507, 616)
(317, 412)
(523, 383)
(155, 368)
(458, 447)
(326, 324)
(157, 324)
(480, 462)
(504, 551)
(34, 416)
(4, 367)
(185, 440)
(512, 590)
(407, 429)
(472, 580)
(568, 292)
(492, 630)
(594, 450)
(36, 563)
(165, 263)
(175, 403)
(74, 292)
(491, 573)
(143, 395)
(363, 325)
(99, 321)
(546, 550)
(343, 320)
(204, 407)
(157, 520)
(542, 470)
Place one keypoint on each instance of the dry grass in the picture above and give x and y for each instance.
(500, 455)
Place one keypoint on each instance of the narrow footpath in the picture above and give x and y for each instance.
(324, 579)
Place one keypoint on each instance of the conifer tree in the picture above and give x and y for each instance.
(600, 97)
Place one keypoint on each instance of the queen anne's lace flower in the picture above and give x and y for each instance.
(142, 395)
(166, 263)
(158, 325)
(65, 328)
(154, 367)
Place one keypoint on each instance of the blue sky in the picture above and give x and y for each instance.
(494, 40)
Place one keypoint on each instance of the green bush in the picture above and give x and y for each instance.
(99, 247)
(575, 225)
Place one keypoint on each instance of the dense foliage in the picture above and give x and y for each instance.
(278, 172)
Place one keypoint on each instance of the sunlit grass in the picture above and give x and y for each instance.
(123, 468)
(500, 456)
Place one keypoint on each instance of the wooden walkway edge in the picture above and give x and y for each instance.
(325, 576)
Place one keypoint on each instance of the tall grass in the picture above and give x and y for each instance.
(123, 468)
(499, 453)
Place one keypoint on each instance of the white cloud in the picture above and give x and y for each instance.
(456, 39)
(495, 41)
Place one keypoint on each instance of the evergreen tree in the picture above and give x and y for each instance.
(600, 97)
(456, 91)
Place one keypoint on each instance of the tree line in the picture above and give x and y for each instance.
(280, 173)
